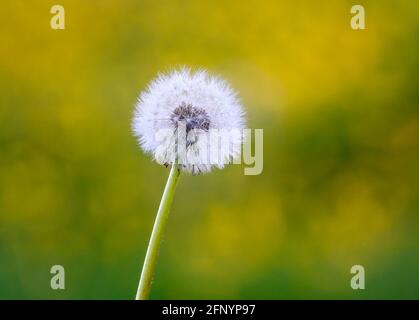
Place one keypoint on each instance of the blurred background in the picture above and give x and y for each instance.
(340, 113)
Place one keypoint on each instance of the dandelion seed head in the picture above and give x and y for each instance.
(197, 105)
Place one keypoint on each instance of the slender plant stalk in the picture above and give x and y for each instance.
(149, 266)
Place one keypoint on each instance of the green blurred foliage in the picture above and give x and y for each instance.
(340, 113)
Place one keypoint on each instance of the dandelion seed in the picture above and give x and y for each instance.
(197, 102)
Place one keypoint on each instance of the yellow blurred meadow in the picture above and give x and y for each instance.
(340, 113)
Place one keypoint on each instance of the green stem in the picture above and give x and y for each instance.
(149, 266)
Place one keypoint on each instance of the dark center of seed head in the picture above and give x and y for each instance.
(193, 117)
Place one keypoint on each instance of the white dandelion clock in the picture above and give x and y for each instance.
(193, 122)
(193, 118)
